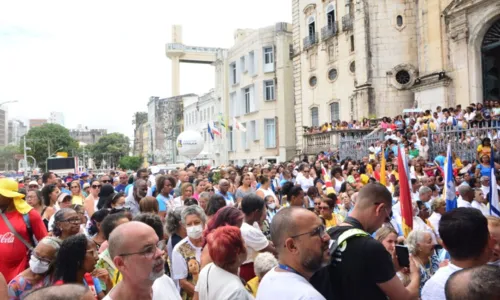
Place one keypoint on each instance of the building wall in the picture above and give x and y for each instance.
(3, 128)
(16, 130)
(37, 122)
(259, 116)
(56, 118)
(89, 136)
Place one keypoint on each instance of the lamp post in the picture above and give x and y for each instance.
(7, 102)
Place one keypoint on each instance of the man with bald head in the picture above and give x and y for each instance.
(479, 283)
(302, 245)
(62, 292)
(134, 248)
(224, 186)
(364, 268)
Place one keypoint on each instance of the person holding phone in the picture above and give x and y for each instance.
(421, 247)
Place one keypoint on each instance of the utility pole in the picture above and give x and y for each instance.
(25, 157)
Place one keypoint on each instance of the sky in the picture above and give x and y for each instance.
(98, 62)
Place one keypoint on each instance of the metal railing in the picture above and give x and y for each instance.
(464, 141)
(330, 140)
(347, 22)
(329, 31)
(310, 41)
(355, 145)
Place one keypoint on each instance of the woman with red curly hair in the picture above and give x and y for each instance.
(219, 280)
(225, 216)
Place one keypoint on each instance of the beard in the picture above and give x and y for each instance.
(314, 262)
(157, 274)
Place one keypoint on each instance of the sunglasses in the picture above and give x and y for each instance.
(33, 186)
(106, 181)
(96, 186)
(210, 190)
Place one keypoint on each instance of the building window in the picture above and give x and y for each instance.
(212, 115)
(330, 15)
(332, 74)
(313, 81)
(233, 74)
(268, 55)
(311, 27)
(352, 43)
(233, 107)
(243, 136)
(268, 59)
(269, 90)
(231, 139)
(243, 66)
(251, 63)
(352, 67)
(247, 100)
(399, 20)
(334, 111)
(314, 116)
(270, 133)
(254, 128)
(403, 77)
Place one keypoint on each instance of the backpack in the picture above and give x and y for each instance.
(340, 244)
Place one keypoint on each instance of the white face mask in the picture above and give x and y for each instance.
(195, 231)
(37, 266)
(272, 205)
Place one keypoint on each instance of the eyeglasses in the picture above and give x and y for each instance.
(74, 221)
(33, 186)
(316, 204)
(319, 231)
(106, 181)
(210, 190)
(96, 186)
(389, 215)
(149, 252)
(93, 252)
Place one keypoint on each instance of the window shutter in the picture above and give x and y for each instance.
(256, 130)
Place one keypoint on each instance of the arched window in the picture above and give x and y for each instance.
(330, 15)
(314, 116)
(399, 20)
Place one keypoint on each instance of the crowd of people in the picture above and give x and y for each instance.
(320, 228)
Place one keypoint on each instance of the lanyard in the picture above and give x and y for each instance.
(289, 269)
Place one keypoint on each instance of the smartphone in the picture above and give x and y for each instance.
(403, 256)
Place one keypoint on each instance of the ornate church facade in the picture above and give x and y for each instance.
(372, 58)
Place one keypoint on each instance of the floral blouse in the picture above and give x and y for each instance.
(19, 287)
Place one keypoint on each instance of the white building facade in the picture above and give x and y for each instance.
(260, 88)
(56, 118)
(198, 113)
(16, 130)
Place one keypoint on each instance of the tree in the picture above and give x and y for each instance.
(48, 137)
(131, 162)
(139, 118)
(7, 156)
(110, 148)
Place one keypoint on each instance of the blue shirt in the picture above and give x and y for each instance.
(120, 188)
(228, 197)
(440, 160)
(162, 202)
(127, 188)
(485, 171)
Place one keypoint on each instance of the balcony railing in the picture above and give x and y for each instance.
(330, 140)
(347, 22)
(310, 41)
(329, 31)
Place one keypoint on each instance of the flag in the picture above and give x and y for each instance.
(328, 181)
(210, 131)
(238, 125)
(383, 175)
(449, 186)
(221, 120)
(493, 195)
(404, 194)
(214, 129)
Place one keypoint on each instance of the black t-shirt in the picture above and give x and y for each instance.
(365, 262)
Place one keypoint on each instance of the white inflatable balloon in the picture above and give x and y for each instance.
(190, 143)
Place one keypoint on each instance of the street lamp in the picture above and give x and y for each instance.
(55, 152)
(7, 102)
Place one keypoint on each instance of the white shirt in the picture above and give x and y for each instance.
(305, 183)
(163, 288)
(462, 203)
(215, 283)
(434, 287)
(434, 220)
(482, 207)
(255, 240)
(179, 265)
(286, 285)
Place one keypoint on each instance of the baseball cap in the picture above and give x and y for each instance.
(63, 196)
(33, 183)
(84, 175)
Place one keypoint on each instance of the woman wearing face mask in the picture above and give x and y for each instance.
(188, 251)
(265, 189)
(117, 201)
(40, 273)
(271, 209)
(76, 261)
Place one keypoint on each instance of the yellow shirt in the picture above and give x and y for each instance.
(334, 221)
(77, 200)
(369, 169)
(483, 150)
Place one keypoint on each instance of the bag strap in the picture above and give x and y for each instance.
(18, 236)
(26, 218)
(341, 242)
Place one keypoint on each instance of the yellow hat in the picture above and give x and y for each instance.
(8, 188)
(364, 179)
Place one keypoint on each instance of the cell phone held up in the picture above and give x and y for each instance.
(403, 256)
